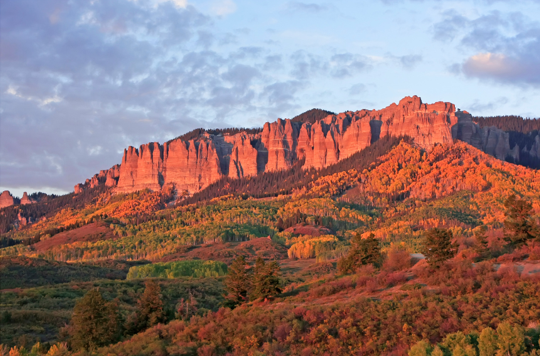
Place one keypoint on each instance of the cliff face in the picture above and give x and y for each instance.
(190, 165)
(6, 199)
(25, 200)
(108, 177)
(193, 165)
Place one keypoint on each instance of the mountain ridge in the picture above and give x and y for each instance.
(194, 164)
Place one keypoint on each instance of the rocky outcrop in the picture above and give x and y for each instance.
(25, 200)
(108, 177)
(189, 165)
(193, 165)
(6, 199)
(244, 158)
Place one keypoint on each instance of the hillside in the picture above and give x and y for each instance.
(309, 223)
(315, 139)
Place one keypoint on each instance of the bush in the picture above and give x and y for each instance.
(397, 260)
(190, 268)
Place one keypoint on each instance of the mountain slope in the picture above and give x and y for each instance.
(314, 139)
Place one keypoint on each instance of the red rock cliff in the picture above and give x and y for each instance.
(193, 165)
(6, 199)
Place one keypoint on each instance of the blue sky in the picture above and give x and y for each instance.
(81, 80)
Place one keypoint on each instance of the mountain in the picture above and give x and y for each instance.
(318, 138)
(306, 196)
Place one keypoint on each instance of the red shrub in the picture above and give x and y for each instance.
(397, 260)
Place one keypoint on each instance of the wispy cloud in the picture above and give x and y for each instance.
(223, 7)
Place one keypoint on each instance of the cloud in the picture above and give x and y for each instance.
(223, 7)
(477, 108)
(306, 7)
(348, 64)
(410, 61)
(501, 68)
(80, 81)
(357, 89)
(505, 47)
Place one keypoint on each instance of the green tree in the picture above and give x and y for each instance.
(519, 226)
(265, 280)
(421, 348)
(438, 246)
(237, 283)
(362, 252)
(149, 308)
(437, 351)
(95, 322)
(487, 343)
(480, 241)
(510, 340)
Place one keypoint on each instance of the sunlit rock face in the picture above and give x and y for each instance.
(6, 199)
(193, 165)
(25, 200)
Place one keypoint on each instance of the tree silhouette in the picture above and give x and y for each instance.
(237, 283)
(438, 246)
(149, 308)
(519, 225)
(362, 252)
(265, 280)
(481, 242)
(95, 322)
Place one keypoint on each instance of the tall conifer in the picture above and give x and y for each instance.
(237, 283)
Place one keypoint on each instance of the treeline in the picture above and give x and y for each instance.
(195, 134)
(312, 116)
(176, 269)
(272, 184)
(509, 123)
(47, 207)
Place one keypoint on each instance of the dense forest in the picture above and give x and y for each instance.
(312, 116)
(46, 205)
(196, 133)
(509, 123)
(272, 184)
(393, 251)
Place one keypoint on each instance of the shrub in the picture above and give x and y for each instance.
(397, 260)
(189, 268)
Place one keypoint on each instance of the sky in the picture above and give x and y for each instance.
(80, 80)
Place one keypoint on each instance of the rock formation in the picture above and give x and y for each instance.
(108, 177)
(193, 165)
(25, 200)
(6, 199)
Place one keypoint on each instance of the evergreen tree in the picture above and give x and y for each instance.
(149, 308)
(519, 225)
(95, 322)
(258, 277)
(237, 283)
(438, 246)
(265, 280)
(362, 252)
(480, 240)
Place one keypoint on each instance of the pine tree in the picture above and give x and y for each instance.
(265, 280)
(519, 225)
(438, 246)
(149, 308)
(480, 240)
(258, 277)
(237, 283)
(362, 252)
(95, 322)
